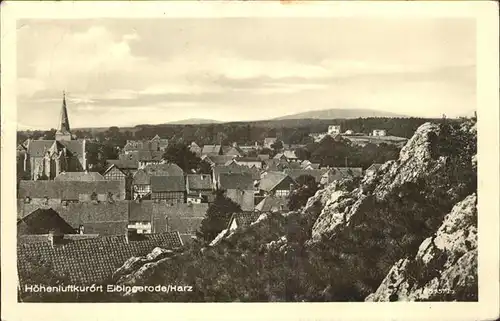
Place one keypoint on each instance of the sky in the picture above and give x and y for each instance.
(125, 72)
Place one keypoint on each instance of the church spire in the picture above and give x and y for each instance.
(64, 131)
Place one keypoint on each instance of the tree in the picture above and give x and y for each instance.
(307, 187)
(50, 135)
(302, 153)
(204, 167)
(218, 215)
(180, 154)
(277, 146)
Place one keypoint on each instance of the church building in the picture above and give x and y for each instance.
(45, 159)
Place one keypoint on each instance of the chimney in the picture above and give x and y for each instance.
(50, 237)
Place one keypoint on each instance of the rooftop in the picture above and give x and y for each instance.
(92, 260)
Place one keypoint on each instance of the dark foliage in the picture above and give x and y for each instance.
(217, 217)
(306, 188)
(180, 154)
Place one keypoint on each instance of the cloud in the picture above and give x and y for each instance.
(240, 68)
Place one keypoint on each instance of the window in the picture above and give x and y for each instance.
(93, 196)
(27, 200)
(282, 192)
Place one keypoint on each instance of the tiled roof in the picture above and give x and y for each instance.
(68, 190)
(289, 154)
(241, 181)
(271, 204)
(167, 184)
(133, 145)
(350, 171)
(141, 178)
(140, 211)
(217, 170)
(44, 238)
(166, 169)
(39, 147)
(230, 150)
(219, 159)
(316, 173)
(92, 260)
(124, 163)
(199, 181)
(244, 219)
(211, 149)
(338, 173)
(146, 155)
(248, 159)
(269, 181)
(75, 147)
(79, 176)
(42, 221)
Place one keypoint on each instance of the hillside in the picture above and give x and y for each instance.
(398, 235)
(194, 121)
(338, 113)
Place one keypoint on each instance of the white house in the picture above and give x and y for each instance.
(334, 129)
(379, 132)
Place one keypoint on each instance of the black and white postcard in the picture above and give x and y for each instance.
(340, 157)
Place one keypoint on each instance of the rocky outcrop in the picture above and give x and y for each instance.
(445, 266)
(346, 240)
(139, 268)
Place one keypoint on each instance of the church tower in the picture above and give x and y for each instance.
(64, 131)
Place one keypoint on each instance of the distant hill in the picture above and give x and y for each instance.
(194, 121)
(340, 114)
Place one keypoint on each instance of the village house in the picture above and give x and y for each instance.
(236, 169)
(276, 183)
(171, 189)
(263, 157)
(199, 188)
(41, 221)
(140, 217)
(239, 187)
(379, 132)
(215, 160)
(183, 218)
(211, 150)
(249, 161)
(45, 159)
(316, 173)
(79, 176)
(333, 129)
(269, 141)
(337, 173)
(233, 150)
(63, 192)
(141, 181)
(91, 260)
(241, 220)
(156, 144)
(102, 218)
(272, 204)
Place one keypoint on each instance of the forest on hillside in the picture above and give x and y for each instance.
(293, 131)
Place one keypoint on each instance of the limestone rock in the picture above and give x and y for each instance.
(445, 266)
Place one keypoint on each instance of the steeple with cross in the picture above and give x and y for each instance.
(63, 131)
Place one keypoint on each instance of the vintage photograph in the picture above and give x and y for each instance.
(247, 159)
